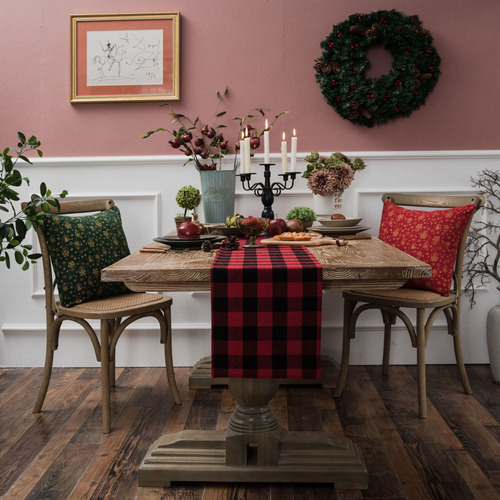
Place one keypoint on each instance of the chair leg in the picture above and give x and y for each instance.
(166, 337)
(389, 320)
(50, 347)
(457, 344)
(421, 341)
(105, 376)
(346, 345)
(47, 372)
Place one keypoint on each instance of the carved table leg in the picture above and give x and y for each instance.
(252, 436)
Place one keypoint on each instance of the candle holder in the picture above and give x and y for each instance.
(267, 190)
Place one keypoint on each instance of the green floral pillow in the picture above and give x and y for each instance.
(79, 248)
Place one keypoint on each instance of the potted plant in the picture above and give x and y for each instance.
(205, 144)
(304, 214)
(328, 177)
(482, 258)
(14, 228)
(188, 198)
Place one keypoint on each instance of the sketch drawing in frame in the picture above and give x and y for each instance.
(125, 57)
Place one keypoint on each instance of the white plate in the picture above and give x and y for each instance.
(332, 231)
(339, 222)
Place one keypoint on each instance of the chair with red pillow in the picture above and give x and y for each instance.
(434, 232)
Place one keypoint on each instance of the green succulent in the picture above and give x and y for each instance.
(301, 213)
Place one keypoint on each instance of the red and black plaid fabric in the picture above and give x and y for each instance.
(266, 313)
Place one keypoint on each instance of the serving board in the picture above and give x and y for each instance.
(314, 242)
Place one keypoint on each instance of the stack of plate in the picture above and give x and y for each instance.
(184, 243)
(338, 227)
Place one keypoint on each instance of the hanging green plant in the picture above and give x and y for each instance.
(340, 71)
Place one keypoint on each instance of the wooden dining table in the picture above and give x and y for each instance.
(253, 449)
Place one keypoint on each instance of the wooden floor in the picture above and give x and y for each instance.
(62, 454)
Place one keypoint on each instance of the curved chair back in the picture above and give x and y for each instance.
(66, 208)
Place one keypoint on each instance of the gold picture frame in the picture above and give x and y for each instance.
(125, 57)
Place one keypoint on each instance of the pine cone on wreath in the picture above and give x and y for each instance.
(335, 66)
(357, 30)
(370, 33)
(365, 113)
(354, 105)
(415, 20)
(318, 65)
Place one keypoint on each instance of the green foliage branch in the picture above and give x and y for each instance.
(14, 228)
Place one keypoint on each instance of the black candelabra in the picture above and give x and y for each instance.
(267, 190)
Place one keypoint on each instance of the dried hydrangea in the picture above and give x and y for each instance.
(344, 176)
(322, 181)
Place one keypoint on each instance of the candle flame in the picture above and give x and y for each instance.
(283, 135)
(294, 133)
(242, 134)
(246, 131)
(267, 125)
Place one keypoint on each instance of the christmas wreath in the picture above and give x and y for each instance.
(368, 101)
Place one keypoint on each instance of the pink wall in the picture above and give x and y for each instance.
(264, 51)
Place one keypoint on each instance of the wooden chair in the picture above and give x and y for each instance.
(390, 302)
(115, 314)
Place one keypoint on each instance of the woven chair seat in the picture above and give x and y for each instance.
(404, 297)
(119, 302)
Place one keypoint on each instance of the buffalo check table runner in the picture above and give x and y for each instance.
(266, 313)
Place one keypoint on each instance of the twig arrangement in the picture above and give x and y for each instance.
(482, 253)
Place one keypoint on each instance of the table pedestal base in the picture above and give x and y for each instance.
(253, 449)
(304, 457)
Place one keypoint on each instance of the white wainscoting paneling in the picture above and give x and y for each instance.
(145, 187)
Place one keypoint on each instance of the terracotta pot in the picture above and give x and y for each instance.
(180, 220)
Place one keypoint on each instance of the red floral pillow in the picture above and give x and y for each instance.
(430, 236)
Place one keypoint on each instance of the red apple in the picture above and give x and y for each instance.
(189, 231)
(277, 226)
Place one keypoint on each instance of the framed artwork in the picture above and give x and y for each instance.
(125, 57)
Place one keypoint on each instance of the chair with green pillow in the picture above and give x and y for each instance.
(435, 235)
(77, 247)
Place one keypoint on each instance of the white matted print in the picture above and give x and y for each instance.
(128, 57)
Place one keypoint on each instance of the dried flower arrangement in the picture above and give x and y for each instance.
(325, 175)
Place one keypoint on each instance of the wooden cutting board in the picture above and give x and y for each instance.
(314, 242)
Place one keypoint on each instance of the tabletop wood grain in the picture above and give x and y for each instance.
(368, 263)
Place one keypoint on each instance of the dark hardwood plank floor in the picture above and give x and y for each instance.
(62, 453)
